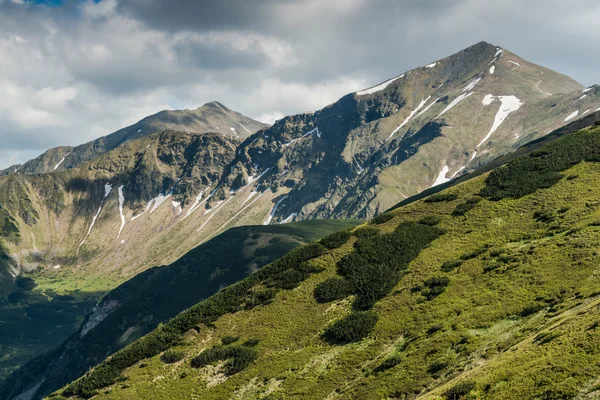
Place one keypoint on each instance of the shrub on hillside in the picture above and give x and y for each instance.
(450, 265)
(172, 356)
(435, 286)
(251, 342)
(238, 358)
(366, 231)
(389, 363)
(336, 239)
(377, 263)
(542, 168)
(460, 390)
(474, 254)
(335, 288)
(353, 327)
(382, 218)
(430, 220)
(467, 206)
(441, 197)
(227, 340)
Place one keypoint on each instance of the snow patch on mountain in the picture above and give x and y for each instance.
(158, 200)
(454, 103)
(431, 65)
(471, 84)
(379, 87)
(492, 69)
(514, 62)
(177, 206)
(107, 189)
(289, 218)
(61, 161)
(273, 211)
(121, 214)
(428, 107)
(442, 176)
(572, 115)
(508, 104)
(407, 120)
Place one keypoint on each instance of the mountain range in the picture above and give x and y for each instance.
(485, 289)
(76, 223)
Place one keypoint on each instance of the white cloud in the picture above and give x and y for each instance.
(70, 74)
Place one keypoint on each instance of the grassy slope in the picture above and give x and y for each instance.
(526, 329)
(144, 301)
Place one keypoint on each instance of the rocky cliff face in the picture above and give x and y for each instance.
(211, 117)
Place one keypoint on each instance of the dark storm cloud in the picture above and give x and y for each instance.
(203, 15)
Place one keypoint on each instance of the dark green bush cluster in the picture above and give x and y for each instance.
(435, 286)
(366, 231)
(543, 216)
(251, 342)
(531, 309)
(293, 277)
(238, 358)
(546, 337)
(172, 356)
(430, 220)
(354, 326)
(450, 265)
(376, 265)
(258, 297)
(227, 340)
(436, 367)
(389, 363)
(336, 239)
(229, 300)
(474, 254)
(460, 390)
(541, 169)
(382, 218)
(441, 197)
(491, 267)
(465, 207)
(434, 328)
(335, 288)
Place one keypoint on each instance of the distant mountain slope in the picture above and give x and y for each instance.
(488, 290)
(371, 149)
(136, 307)
(211, 117)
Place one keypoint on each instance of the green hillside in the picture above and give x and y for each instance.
(488, 289)
(134, 308)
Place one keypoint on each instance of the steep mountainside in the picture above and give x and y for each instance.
(373, 148)
(139, 305)
(488, 289)
(211, 117)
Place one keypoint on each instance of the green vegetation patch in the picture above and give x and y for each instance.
(232, 299)
(377, 263)
(336, 239)
(238, 358)
(465, 207)
(353, 327)
(542, 168)
(441, 197)
(335, 288)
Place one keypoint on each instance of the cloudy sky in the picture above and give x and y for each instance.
(73, 70)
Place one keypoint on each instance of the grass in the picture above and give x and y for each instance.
(526, 329)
